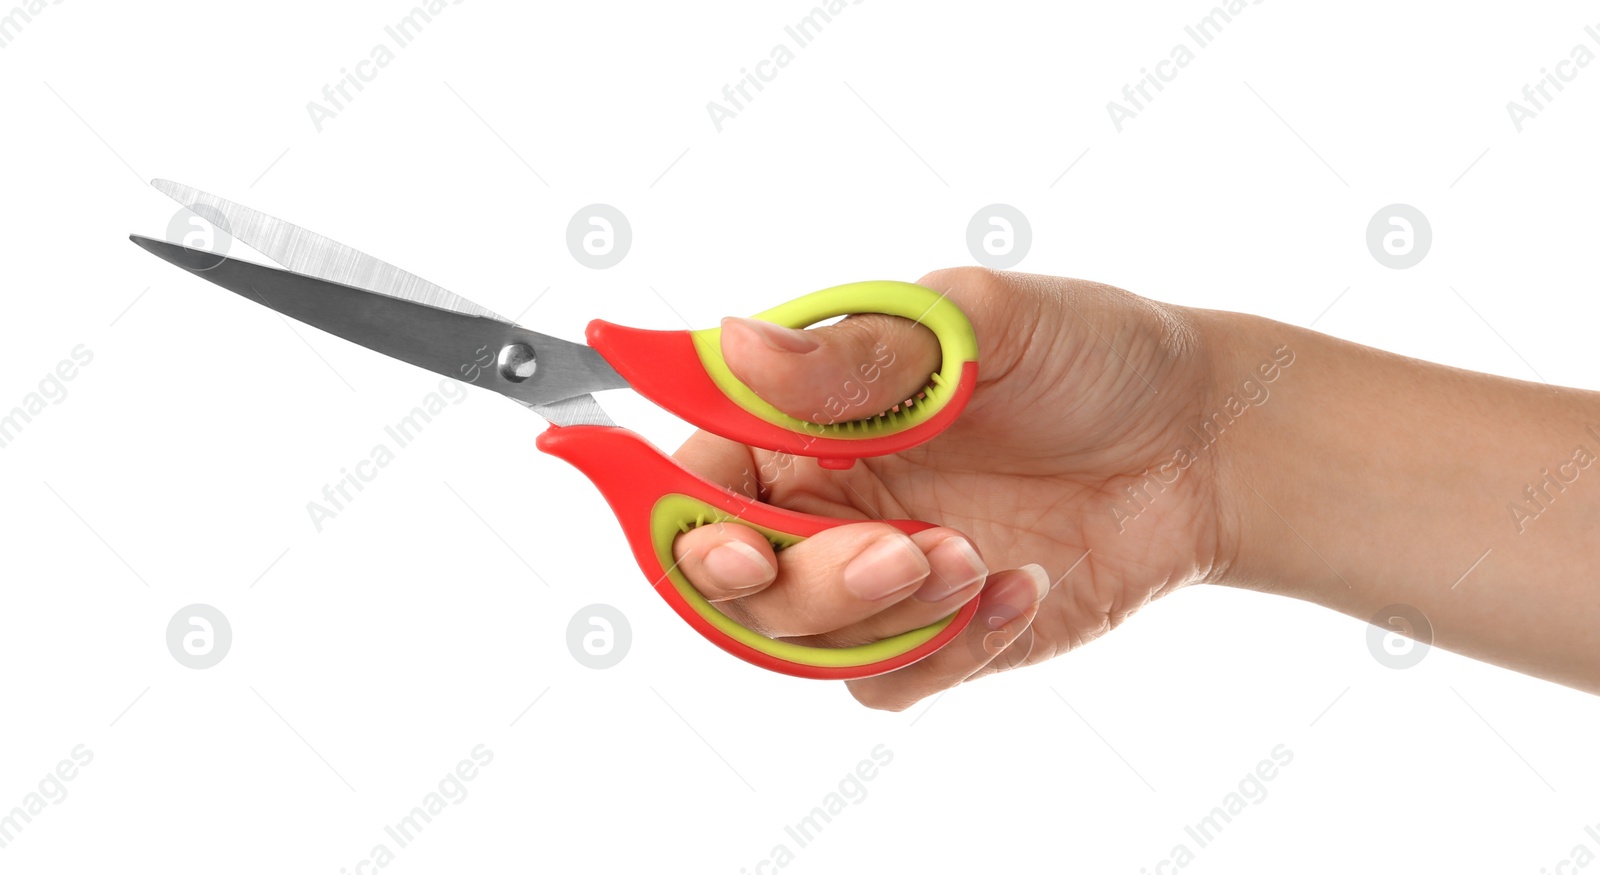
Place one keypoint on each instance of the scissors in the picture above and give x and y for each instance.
(333, 287)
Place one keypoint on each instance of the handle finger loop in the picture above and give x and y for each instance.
(957, 345)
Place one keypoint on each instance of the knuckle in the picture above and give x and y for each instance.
(835, 547)
(964, 281)
(739, 610)
(776, 614)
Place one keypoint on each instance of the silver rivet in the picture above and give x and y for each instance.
(517, 362)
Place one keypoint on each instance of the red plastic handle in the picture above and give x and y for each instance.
(644, 487)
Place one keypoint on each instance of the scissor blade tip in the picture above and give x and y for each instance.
(149, 245)
(177, 254)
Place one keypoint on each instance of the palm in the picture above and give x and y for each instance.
(1083, 390)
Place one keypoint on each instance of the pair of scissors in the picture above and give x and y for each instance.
(337, 289)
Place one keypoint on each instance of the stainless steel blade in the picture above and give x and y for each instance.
(312, 254)
(552, 376)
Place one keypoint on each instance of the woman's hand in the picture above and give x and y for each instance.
(1061, 495)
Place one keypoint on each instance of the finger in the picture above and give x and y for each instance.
(728, 560)
(956, 574)
(833, 579)
(726, 463)
(858, 367)
(725, 560)
(1007, 607)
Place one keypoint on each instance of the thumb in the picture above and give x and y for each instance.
(855, 368)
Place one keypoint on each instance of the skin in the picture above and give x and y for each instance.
(1086, 481)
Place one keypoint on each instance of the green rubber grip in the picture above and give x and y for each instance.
(957, 342)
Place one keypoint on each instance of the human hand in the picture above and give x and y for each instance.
(1032, 478)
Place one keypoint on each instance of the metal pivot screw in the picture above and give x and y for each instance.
(517, 362)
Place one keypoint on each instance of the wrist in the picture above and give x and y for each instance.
(1245, 425)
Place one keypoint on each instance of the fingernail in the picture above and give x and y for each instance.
(1041, 581)
(777, 337)
(888, 566)
(1016, 595)
(737, 565)
(953, 566)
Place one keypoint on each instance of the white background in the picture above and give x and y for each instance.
(369, 658)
